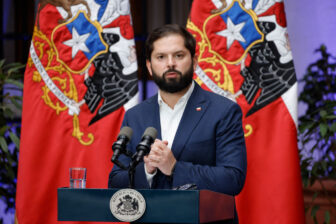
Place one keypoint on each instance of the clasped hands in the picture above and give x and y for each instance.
(160, 157)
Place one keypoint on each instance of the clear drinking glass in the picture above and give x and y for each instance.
(77, 177)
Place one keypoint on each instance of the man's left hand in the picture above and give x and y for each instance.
(161, 157)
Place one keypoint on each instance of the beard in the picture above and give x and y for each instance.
(173, 85)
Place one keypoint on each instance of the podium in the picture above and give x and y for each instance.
(162, 206)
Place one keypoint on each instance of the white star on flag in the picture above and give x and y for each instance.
(232, 33)
(77, 42)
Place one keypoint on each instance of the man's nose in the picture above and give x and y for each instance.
(171, 63)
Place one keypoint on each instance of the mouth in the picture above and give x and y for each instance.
(172, 74)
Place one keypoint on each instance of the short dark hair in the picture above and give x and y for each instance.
(166, 30)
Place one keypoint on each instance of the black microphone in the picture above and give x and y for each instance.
(119, 146)
(143, 147)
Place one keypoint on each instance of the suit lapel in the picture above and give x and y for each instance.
(154, 107)
(193, 113)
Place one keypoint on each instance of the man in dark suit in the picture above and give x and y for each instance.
(200, 138)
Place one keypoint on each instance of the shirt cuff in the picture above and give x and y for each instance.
(149, 176)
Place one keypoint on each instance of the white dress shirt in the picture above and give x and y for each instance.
(169, 120)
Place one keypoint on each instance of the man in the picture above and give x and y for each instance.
(200, 138)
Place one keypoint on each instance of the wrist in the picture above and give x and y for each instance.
(173, 169)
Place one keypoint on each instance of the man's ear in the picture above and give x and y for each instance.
(195, 60)
(149, 68)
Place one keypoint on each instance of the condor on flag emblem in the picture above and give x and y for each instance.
(232, 33)
(78, 42)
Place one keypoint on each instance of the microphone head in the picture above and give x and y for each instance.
(126, 131)
(151, 132)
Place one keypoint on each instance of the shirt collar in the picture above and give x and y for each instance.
(184, 98)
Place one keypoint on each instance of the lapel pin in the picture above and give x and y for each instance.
(198, 108)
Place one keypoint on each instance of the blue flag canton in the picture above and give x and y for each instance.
(249, 31)
(94, 41)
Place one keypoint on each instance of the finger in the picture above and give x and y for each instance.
(146, 159)
(160, 144)
(151, 159)
(156, 151)
(155, 147)
(152, 165)
(154, 158)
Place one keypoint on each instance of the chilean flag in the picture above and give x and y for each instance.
(232, 33)
(243, 53)
(77, 43)
(70, 47)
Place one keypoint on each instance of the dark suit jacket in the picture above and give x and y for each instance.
(209, 145)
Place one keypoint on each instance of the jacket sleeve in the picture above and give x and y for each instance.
(227, 174)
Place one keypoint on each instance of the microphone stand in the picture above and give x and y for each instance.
(131, 173)
(130, 168)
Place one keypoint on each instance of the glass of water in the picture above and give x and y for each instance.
(77, 177)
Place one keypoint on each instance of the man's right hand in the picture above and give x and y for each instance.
(160, 157)
(149, 168)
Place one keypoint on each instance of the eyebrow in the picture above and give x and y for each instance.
(176, 52)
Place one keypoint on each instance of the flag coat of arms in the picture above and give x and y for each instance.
(244, 54)
(80, 78)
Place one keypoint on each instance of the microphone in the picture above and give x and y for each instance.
(143, 147)
(119, 146)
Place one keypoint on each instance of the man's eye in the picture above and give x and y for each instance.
(159, 57)
(179, 56)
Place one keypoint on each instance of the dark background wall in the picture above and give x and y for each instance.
(17, 20)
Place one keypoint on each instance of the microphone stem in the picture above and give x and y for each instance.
(131, 173)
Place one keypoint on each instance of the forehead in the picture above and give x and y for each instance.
(169, 44)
